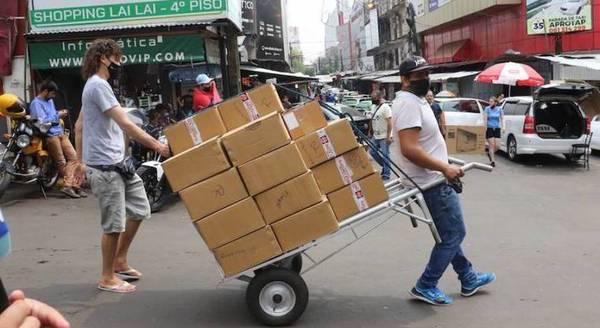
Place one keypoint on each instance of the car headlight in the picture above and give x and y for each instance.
(23, 141)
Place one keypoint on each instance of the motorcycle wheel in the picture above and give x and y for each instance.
(157, 191)
(5, 179)
(48, 174)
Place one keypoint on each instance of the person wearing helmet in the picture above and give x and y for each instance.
(424, 157)
(18, 311)
(59, 146)
(205, 93)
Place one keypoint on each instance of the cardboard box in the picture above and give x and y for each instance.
(272, 169)
(250, 106)
(230, 223)
(305, 226)
(304, 119)
(192, 131)
(213, 194)
(248, 251)
(327, 143)
(343, 170)
(196, 164)
(255, 139)
(462, 139)
(289, 198)
(358, 196)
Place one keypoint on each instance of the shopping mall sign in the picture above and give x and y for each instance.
(61, 15)
(136, 50)
(545, 17)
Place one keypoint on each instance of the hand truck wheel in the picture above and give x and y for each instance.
(277, 297)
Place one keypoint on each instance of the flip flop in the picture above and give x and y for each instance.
(122, 288)
(131, 274)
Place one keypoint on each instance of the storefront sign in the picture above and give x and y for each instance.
(136, 50)
(249, 16)
(64, 14)
(270, 31)
(547, 17)
(435, 4)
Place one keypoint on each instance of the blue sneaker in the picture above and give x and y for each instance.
(432, 296)
(482, 279)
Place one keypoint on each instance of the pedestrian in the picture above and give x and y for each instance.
(499, 98)
(60, 148)
(380, 132)
(425, 159)
(438, 112)
(186, 105)
(100, 143)
(20, 311)
(494, 121)
(205, 93)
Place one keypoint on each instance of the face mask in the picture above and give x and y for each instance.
(114, 71)
(419, 87)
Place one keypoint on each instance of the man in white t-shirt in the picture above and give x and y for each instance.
(425, 159)
(381, 131)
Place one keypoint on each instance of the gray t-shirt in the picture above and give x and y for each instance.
(103, 140)
(410, 111)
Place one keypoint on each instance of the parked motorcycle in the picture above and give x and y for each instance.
(157, 187)
(25, 159)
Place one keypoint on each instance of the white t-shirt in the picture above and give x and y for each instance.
(410, 111)
(379, 121)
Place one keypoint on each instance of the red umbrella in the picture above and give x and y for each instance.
(513, 74)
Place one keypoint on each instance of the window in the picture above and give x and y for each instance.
(450, 106)
(522, 108)
(512, 108)
(509, 108)
(468, 106)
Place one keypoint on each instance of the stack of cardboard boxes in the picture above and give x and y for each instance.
(258, 182)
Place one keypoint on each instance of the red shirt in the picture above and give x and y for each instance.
(204, 99)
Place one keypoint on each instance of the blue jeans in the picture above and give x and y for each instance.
(383, 146)
(444, 206)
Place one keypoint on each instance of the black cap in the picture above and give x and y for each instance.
(413, 64)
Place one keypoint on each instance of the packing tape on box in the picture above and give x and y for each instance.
(359, 196)
(193, 130)
(250, 107)
(344, 170)
(326, 143)
(290, 121)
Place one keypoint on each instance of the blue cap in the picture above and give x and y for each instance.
(4, 237)
(203, 79)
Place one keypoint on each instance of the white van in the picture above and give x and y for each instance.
(550, 122)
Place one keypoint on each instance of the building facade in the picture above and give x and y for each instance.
(464, 34)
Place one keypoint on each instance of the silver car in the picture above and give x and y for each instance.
(550, 122)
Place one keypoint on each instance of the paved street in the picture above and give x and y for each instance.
(535, 224)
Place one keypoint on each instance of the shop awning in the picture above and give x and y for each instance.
(265, 71)
(441, 77)
(389, 79)
(575, 67)
(456, 51)
(375, 75)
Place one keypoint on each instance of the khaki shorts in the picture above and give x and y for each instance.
(119, 199)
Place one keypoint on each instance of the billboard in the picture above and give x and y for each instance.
(61, 15)
(269, 25)
(249, 17)
(435, 4)
(558, 16)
